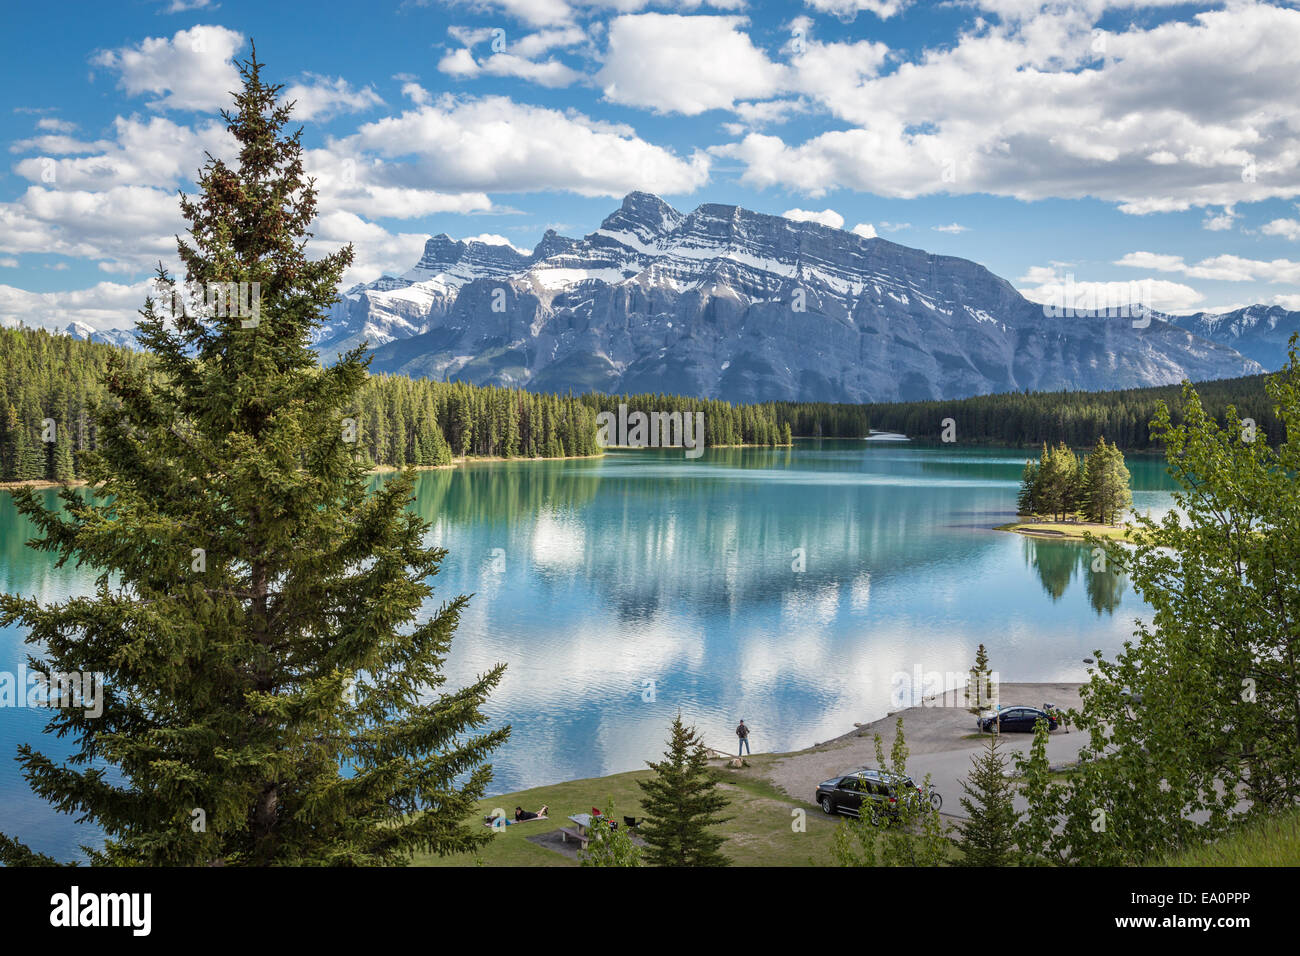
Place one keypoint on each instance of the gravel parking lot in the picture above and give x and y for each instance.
(939, 738)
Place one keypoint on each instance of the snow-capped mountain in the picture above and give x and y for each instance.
(724, 302)
(87, 333)
(1259, 332)
(79, 330)
(395, 307)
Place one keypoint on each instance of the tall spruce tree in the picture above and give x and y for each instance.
(987, 835)
(1106, 482)
(64, 470)
(1027, 498)
(1058, 480)
(682, 805)
(9, 449)
(273, 695)
(979, 688)
(28, 453)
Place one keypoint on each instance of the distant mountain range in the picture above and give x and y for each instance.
(1259, 332)
(80, 330)
(723, 302)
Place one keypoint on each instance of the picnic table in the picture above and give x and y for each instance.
(580, 830)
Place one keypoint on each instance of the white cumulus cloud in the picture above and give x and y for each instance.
(194, 70)
(1224, 268)
(494, 143)
(827, 217)
(1048, 286)
(320, 97)
(685, 64)
(1044, 103)
(1286, 228)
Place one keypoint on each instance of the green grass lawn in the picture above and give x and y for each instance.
(760, 833)
(1271, 842)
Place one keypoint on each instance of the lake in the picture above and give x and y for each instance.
(802, 589)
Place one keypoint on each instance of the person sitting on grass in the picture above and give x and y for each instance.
(521, 814)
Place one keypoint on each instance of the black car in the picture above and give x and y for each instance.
(845, 794)
(1017, 719)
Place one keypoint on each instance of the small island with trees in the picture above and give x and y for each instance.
(1068, 495)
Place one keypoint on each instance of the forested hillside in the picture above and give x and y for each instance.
(47, 378)
(43, 378)
(1076, 418)
(406, 421)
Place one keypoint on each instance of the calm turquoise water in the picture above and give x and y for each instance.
(619, 590)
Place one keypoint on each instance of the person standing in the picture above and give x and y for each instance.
(742, 734)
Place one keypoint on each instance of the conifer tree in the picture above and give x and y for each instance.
(274, 695)
(987, 835)
(29, 455)
(8, 443)
(1057, 479)
(682, 804)
(980, 685)
(1079, 486)
(64, 470)
(1027, 498)
(1107, 480)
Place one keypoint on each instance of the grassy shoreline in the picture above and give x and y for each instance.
(43, 485)
(1067, 530)
(760, 832)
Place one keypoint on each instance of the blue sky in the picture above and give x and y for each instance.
(1108, 140)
